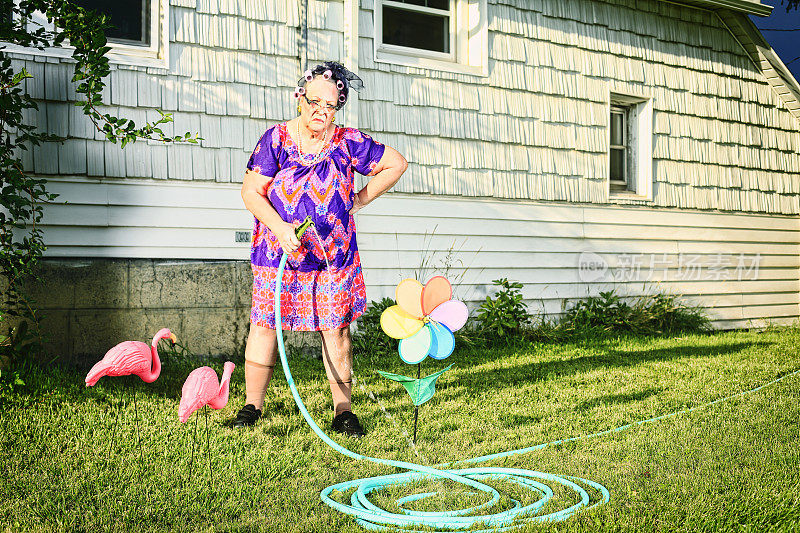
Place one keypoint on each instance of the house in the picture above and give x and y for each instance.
(573, 146)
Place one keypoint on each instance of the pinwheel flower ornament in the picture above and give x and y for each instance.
(424, 319)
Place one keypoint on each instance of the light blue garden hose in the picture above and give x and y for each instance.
(372, 517)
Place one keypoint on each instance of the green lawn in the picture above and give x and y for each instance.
(70, 458)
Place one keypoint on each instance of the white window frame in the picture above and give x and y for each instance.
(638, 141)
(469, 39)
(156, 55)
(626, 167)
(452, 30)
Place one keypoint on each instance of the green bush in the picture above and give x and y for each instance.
(667, 315)
(594, 314)
(502, 318)
(647, 315)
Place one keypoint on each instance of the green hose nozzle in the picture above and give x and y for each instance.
(307, 223)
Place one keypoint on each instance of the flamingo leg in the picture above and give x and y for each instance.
(191, 461)
(113, 436)
(170, 431)
(208, 451)
(138, 436)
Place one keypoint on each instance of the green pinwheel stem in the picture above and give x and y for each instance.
(422, 389)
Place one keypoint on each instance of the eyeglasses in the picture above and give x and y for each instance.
(317, 105)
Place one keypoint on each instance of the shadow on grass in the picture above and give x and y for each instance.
(618, 398)
(483, 379)
(66, 381)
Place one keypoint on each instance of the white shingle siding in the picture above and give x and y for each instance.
(227, 66)
(723, 139)
(72, 160)
(535, 128)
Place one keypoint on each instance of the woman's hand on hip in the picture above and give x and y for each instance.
(357, 203)
(287, 237)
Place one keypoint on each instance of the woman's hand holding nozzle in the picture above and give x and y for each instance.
(287, 237)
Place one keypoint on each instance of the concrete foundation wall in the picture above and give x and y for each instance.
(91, 305)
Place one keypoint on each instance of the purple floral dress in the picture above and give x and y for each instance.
(314, 297)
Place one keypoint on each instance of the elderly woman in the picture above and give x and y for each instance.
(305, 167)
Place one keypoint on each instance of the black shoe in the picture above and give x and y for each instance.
(347, 423)
(247, 416)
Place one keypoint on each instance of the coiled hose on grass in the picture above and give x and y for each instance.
(370, 516)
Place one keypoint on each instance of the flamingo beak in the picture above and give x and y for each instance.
(173, 338)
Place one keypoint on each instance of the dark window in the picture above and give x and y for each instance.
(619, 148)
(437, 4)
(427, 29)
(130, 19)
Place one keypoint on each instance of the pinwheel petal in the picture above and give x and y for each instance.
(444, 341)
(398, 324)
(452, 313)
(409, 296)
(435, 292)
(415, 348)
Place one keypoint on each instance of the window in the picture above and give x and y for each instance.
(138, 36)
(130, 20)
(630, 147)
(420, 24)
(619, 171)
(447, 35)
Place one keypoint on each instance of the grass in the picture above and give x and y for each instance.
(70, 459)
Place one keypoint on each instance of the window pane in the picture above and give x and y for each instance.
(416, 30)
(617, 164)
(437, 4)
(130, 19)
(617, 128)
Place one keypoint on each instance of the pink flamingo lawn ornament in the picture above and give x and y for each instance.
(131, 357)
(201, 389)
